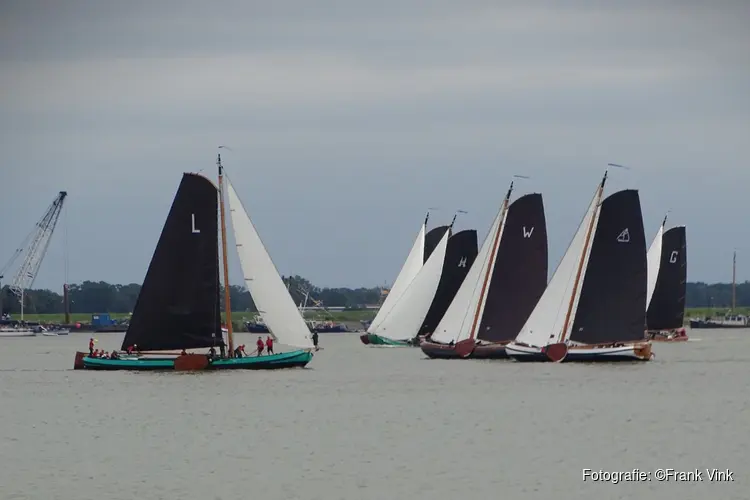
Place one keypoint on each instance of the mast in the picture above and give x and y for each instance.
(493, 253)
(734, 281)
(66, 304)
(583, 255)
(227, 302)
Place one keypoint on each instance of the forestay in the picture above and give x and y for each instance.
(266, 287)
(547, 320)
(458, 323)
(406, 275)
(407, 315)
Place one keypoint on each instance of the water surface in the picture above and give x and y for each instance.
(372, 424)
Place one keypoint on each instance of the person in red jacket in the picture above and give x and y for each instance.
(259, 343)
(91, 347)
(269, 345)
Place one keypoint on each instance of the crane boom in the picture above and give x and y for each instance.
(36, 249)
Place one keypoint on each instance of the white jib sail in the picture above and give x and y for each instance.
(458, 320)
(545, 323)
(408, 272)
(406, 317)
(269, 293)
(653, 259)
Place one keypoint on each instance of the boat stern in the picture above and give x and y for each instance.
(78, 363)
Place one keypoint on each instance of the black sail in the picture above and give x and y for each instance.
(459, 256)
(520, 274)
(612, 305)
(178, 306)
(667, 308)
(431, 240)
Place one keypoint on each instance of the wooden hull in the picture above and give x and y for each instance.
(377, 341)
(635, 351)
(667, 336)
(464, 350)
(191, 362)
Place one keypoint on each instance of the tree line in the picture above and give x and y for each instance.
(103, 297)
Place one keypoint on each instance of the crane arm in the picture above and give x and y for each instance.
(37, 248)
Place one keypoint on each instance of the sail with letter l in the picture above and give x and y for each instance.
(178, 305)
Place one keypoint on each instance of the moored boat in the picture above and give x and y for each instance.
(667, 276)
(731, 319)
(502, 286)
(9, 331)
(594, 307)
(180, 310)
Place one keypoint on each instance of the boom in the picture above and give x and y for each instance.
(35, 247)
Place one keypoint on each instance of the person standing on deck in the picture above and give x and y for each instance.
(91, 347)
(259, 344)
(269, 345)
(315, 339)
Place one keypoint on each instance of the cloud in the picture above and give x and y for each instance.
(384, 107)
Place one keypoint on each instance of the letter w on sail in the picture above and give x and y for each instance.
(527, 234)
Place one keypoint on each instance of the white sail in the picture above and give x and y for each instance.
(653, 259)
(407, 315)
(458, 322)
(545, 323)
(408, 272)
(269, 293)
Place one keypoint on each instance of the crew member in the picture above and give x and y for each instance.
(269, 345)
(259, 344)
(238, 352)
(315, 339)
(91, 347)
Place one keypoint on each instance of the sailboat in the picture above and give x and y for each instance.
(423, 247)
(594, 307)
(731, 319)
(427, 297)
(667, 276)
(502, 286)
(178, 307)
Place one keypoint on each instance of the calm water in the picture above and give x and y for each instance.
(368, 423)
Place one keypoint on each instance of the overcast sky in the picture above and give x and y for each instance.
(348, 119)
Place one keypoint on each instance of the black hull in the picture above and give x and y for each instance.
(256, 328)
(332, 329)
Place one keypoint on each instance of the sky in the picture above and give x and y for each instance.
(348, 119)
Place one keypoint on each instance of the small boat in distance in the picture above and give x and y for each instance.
(178, 307)
(502, 286)
(16, 331)
(667, 276)
(730, 319)
(594, 307)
